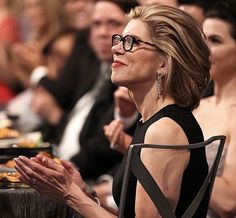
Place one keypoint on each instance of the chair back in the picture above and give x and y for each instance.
(135, 166)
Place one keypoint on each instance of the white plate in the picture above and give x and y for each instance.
(6, 143)
(7, 169)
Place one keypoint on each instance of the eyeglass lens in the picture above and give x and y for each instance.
(127, 41)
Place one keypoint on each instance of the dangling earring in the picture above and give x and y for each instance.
(159, 88)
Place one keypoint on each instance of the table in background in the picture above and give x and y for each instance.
(27, 203)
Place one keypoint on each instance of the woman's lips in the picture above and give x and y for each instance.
(116, 64)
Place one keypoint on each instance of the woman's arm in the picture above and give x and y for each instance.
(79, 201)
(166, 166)
(55, 180)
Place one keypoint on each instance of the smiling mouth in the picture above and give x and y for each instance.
(116, 64)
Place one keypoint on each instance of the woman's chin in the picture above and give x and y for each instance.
(117, 82)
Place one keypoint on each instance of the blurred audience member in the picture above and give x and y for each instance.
(65, 90)
(56, 53)
(45, 19)
(10, 33)
(172, 3)
(217, 114)
(79, 13)
(195, 8)
(126, 115)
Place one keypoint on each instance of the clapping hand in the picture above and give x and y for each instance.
(49, 177)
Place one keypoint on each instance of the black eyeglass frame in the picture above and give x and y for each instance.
(134, 40)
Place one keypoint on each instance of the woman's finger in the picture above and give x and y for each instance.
(113, 126)
(116, 134)
(49, 163)
(33, 169)
(35, 160)
(28, 175)
(69, 166)
(23, 176)
(116, 131)
(38, 176)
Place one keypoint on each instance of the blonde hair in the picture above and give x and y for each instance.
(181, 41)
(56, 15)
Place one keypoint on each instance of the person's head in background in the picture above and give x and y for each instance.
(108, 18)
(57, 51)
(44, 17)
(196, 8)
(79, 13)
(10, 4)
(220, 30)
(180, 56)
(172, 3)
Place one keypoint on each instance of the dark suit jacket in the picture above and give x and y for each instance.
(95, 157)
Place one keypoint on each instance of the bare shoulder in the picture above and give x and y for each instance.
(165, 131)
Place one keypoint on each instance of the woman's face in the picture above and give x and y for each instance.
(4, 3)
(138, 66)
(35, 14)
(222, 47)
(59, 52)
(79, 13)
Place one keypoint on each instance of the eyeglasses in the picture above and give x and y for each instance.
(128, 41)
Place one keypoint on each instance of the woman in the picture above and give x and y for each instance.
(10, 33)
(163, 60)
(44, 19)
(56, 53)
(217, 114)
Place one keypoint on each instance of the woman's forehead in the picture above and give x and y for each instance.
(136, 27)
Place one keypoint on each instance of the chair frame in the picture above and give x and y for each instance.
(135, 165)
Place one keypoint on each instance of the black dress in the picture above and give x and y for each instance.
(194, 174)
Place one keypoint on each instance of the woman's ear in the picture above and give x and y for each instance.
(162, 67)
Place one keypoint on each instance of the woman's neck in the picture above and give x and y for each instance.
(148, 103)
(225, 91)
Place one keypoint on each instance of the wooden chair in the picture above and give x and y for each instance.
(135, 166)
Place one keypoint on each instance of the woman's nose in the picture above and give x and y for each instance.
(117, 48)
